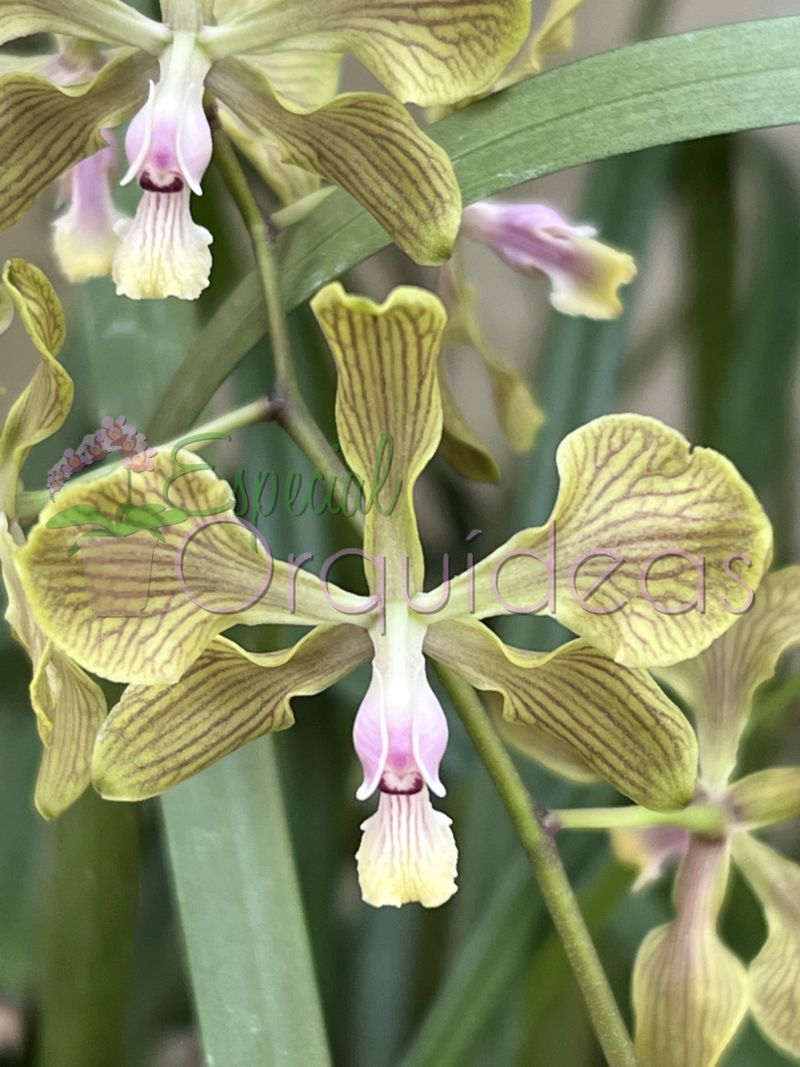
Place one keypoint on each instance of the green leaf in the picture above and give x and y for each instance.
(88, 953)
(741, 76)
(242, 917)
(79, 514)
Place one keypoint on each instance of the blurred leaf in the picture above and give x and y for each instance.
(731, 77)
(21, 828)
(242, 917)
(88, 950)
(705, 176)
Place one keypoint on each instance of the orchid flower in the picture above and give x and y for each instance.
(631, 488)
(69, 706)
(585, 275)
(253, 60)
(690, 992)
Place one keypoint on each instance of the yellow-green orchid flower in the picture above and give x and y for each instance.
(69, 706)
(254, 62)
(690, 991)
(631, 489)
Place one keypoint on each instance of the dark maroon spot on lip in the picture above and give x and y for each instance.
(150, 186)
(414, 786)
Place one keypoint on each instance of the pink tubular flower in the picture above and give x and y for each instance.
(400, 734)
(168, 144)
(140, 462)
(57, 476)
(84, 238)
(534, 239)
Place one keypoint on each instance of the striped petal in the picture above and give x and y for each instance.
(46, 400)
(552, 37)
(68, 705)
(643, 551)
(388, 411)
(157, 736)
(775, 972)
(134, 610)
(766, 797)
(45, 129)
(689, 990)
(423, 52)
(95, 20)
(617, 720)
(720, 683)
(367, 144)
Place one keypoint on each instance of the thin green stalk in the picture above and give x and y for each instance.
(532, 824)
(292, 412)
(709, 818)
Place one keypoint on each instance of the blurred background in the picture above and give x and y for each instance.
(708, 343)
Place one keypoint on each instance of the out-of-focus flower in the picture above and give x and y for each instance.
(84, 237)
(690, 992)
(254, 59)
(585, 274)
(623, 477)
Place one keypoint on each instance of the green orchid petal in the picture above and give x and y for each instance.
(617, 720)
(550, 751)
(460, 445)
(638, 519)
(423, 53)
(157, 736)
(387, 358)
(775, 972)
(46, 129)
(720, 683)
(554, 36)
(135, 610)
(689, 991)
(367, 144)
(305, 79)
(766, 797)
(289, 183)
(520, 416)
(47, 399)
(76, 708)
(68, 705)
(110, 21)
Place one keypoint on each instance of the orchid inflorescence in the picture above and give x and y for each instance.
(115, 435)
(655, 556)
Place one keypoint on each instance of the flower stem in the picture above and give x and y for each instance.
(705, 818)
(292, 412)
(532, 824)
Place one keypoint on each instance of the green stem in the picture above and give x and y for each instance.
(292, 412)
(532, 824)
(707, 818)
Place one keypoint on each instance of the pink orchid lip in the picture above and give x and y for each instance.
(400, 735)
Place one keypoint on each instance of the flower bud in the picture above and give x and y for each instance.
(534, 239)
